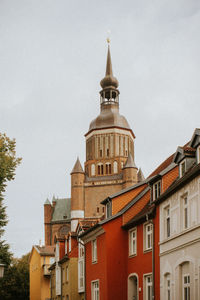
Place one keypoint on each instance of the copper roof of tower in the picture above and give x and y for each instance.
(109, 115)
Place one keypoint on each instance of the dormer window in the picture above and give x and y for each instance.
(198, 154)
(156, 189)
(108, 209)
(182, 168)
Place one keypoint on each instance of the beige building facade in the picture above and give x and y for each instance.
(180, 230)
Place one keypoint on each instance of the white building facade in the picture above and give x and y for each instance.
(180, 233)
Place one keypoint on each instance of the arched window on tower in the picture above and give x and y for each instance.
(100, 169)
(93, 170)
(115, 167)
(108, 168)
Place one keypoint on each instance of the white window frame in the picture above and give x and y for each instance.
(70, 243)
(185, 212)
(182, 163)
(133, 242)
(81, 275)
(65, 246)
(92, 169)
(148, 286)
(157, 188)
(167, 224)
(187, 287)
(94, 251)
(95, 291)
(198, 154)
(109, 209)
(148, 234)
(168, 294)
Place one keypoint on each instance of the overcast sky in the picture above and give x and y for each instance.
(52, 58)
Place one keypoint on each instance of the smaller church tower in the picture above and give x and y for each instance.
(129, 172)
(77, 194)
(47, 221)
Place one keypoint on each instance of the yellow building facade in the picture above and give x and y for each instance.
(39, 262)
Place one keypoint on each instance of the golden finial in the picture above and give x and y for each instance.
(108, 37)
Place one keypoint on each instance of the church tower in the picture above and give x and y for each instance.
(109, 142)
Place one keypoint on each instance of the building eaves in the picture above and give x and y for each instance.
(146, 181)
(179, 183)
(145, 214)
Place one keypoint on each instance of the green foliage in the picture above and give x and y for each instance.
(8, 164)
(15, 283)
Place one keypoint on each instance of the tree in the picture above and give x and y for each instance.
(15, 283)
(8, 164)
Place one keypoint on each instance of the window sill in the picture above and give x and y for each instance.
(147, 250)
(132, 255)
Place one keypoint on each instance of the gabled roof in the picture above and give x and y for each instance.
(182, 152)
(195, 140)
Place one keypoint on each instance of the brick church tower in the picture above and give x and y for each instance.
(109, 165)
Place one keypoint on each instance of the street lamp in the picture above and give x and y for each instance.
(1, 269)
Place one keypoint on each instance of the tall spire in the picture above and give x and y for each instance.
(109, 63)
(109, 81)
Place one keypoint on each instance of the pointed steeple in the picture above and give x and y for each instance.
(140, 175)
(109, 63)
(109, 81)
(47, 202)
(130, 162)
(77, 167)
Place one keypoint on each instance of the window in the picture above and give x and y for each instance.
(156, 190)
(148, 287)
(81, 249)
(94, 251)
(100, 169)
(108, 168)
(148, 236)
(95, 290)
(93, 170)
(67, 274)
(185, 212)
(198, 154)
(97, 209)
(182, 168)
(70, 244)
(167, 287)
(107, 152)
(101, 153)
(167, 221)
(65, 246)
(186, 287)
(108, 209)
(81, 274)
(115, 167)
(132, 242)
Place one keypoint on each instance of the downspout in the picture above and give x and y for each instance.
(153, 259)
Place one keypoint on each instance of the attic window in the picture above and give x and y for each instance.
(182, 168)
(156, 190)
(109, 209)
